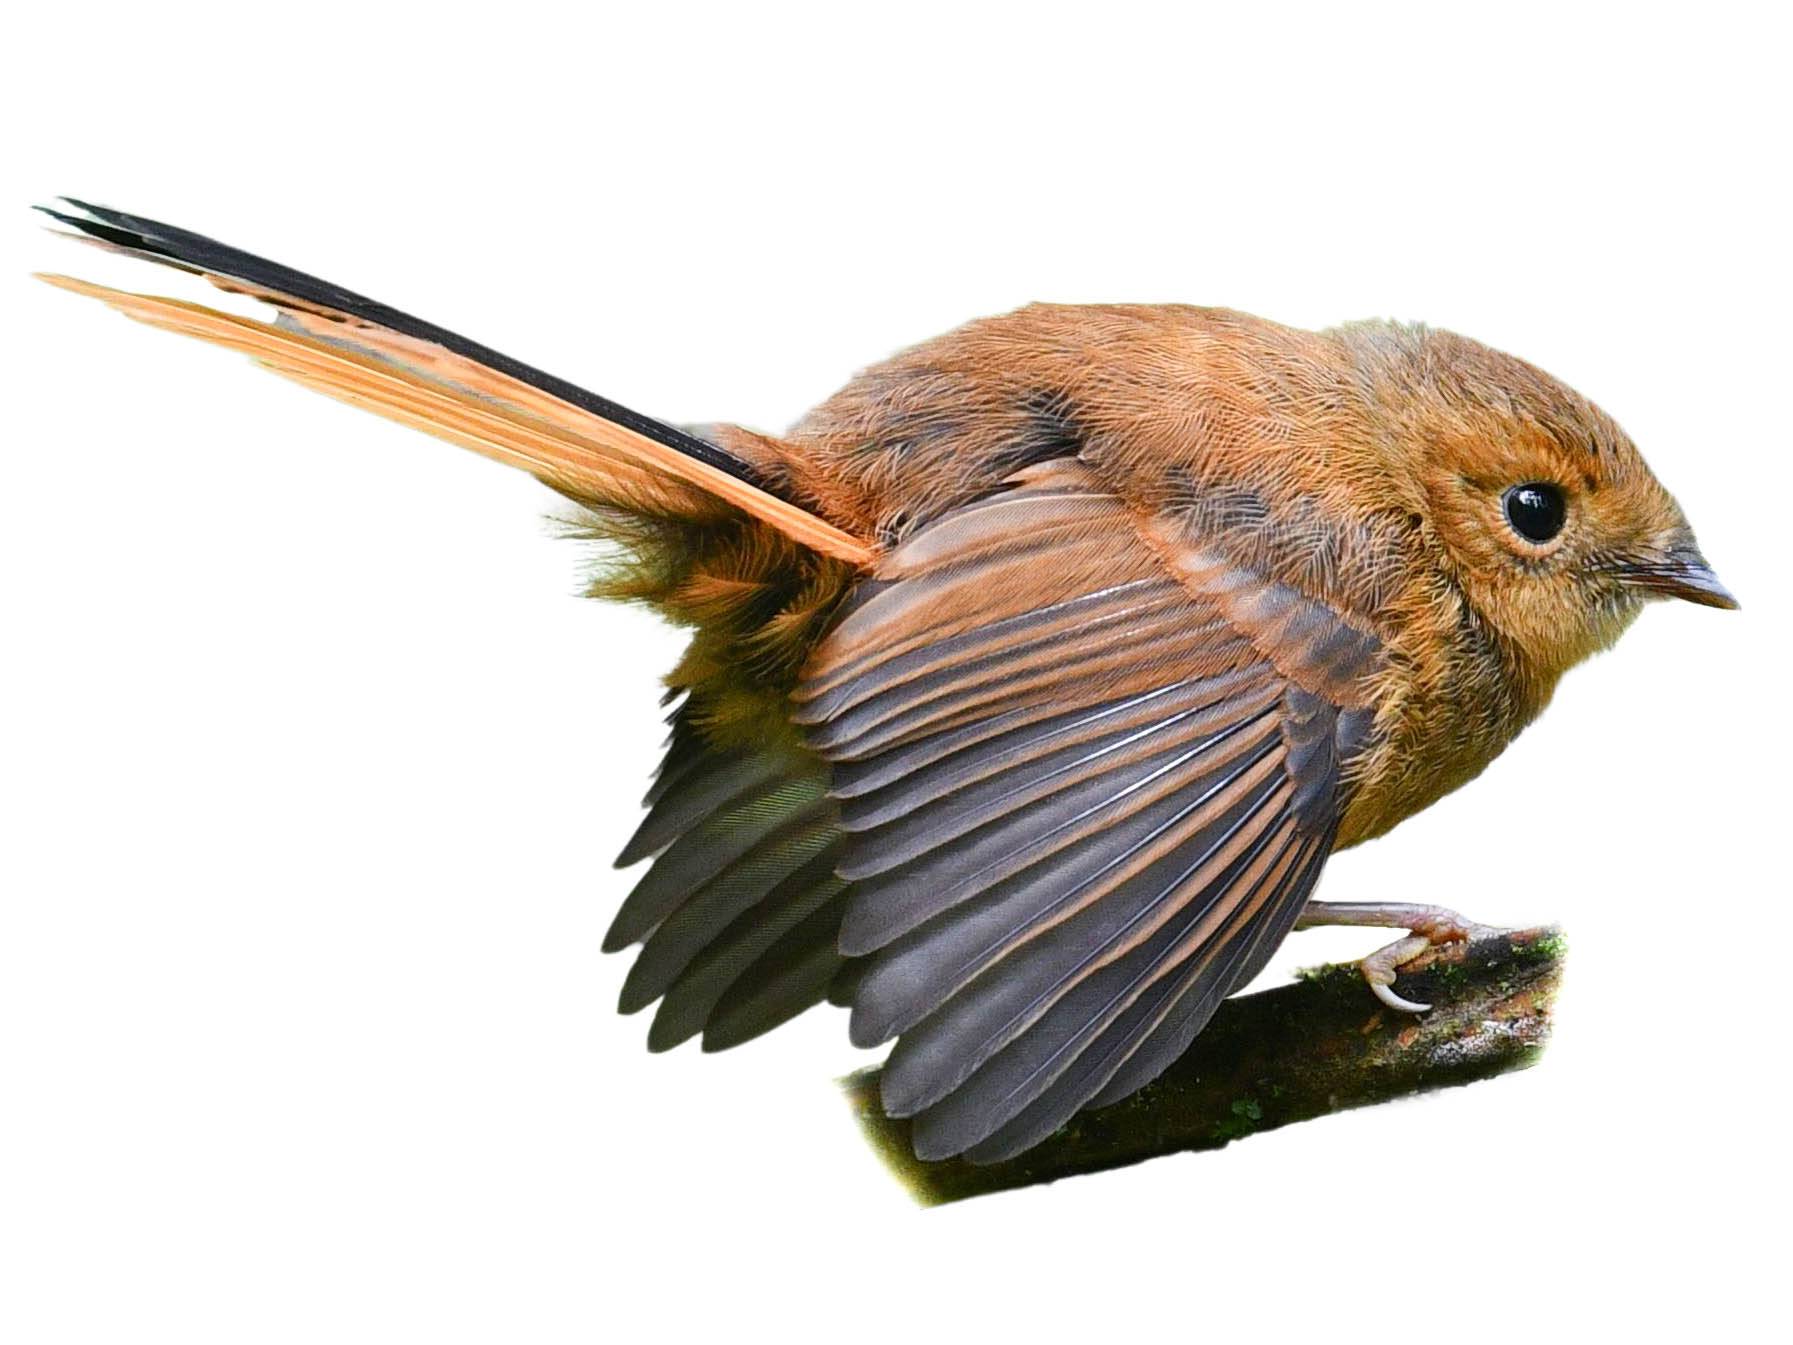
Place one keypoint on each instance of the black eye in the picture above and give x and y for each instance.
(1536, 510)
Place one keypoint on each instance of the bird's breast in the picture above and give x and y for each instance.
(1447, 703)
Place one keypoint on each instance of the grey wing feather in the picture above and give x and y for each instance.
(1080, 804)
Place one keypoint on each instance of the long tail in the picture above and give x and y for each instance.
(422, 375)
(739, 911)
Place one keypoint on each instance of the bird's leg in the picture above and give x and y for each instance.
(1428, 925)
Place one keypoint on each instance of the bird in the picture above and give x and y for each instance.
(1034, 676)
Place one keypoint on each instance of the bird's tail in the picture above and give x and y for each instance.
(422, 375)
(740, 909)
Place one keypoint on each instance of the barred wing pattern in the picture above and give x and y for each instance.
(1081, 804)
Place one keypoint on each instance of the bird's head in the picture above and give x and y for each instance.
(1548, 519)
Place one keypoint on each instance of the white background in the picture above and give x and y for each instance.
(313, 762)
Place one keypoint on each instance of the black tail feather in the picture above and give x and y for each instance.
(188, 251)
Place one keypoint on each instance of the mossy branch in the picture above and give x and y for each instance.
(1318, 1046)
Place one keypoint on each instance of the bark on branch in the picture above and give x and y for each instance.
(1320, 1045)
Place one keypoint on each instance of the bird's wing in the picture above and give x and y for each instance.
(737, 914)
(1089, 774)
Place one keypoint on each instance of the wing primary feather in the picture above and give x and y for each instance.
(1018, 729)
(915, 977)
(1173, 1036)
(1188, 999)
(1027, 748)
(678, 810)
(710, 847)
(901, 834)
(706, 911)
(1002, 849)
(795, 973)
(1013, 1080)
(944, 1050)
(1067, 843)
(738, 952)
(984, 651)
(1000, 674)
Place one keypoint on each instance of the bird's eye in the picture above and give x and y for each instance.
(1536, 510)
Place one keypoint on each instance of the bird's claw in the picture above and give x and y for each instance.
(1431, 925)
(1380, 966)
(1427, 925)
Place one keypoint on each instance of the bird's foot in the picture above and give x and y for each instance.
(1428, 926)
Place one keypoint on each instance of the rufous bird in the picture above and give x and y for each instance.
(1034, 675)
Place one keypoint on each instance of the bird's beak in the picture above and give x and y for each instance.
(1679, 572)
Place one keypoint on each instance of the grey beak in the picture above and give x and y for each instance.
(1683, 573)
